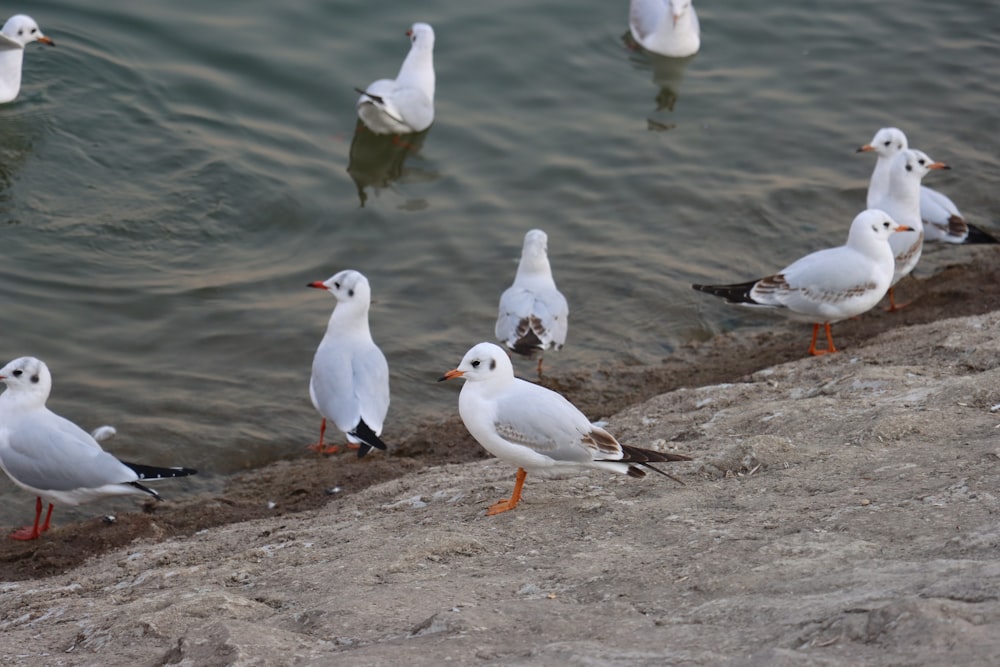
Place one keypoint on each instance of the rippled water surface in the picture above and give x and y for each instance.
(173, 174)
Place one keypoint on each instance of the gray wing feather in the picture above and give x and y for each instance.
(547, 423)
(56, 455)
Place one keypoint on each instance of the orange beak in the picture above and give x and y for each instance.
(46, 40)
(317, 284)
(865, 149)
(409, 33)
(451, 374)
(938, 165)
(903, 228)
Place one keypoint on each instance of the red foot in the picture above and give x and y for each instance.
(26, 533)
(320, 448)
(34, 532)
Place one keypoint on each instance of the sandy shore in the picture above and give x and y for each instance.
(839, 511)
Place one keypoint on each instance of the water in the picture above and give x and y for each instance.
(173, 174)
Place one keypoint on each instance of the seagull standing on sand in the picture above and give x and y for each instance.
(828, 285)
(902, 202)
(533, 313)
(535, 428)
(17, 32)
(350, 376)
(667, 27)
(942, 220)
(55, 459)
(405, 104)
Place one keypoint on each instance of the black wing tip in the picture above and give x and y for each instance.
(143, 487)
(978, 236)
(154, 472)
(377, 98)
(734, 293)
(637, 456)
(528, 344)
(369, 439)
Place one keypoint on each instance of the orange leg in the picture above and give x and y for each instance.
(893, 306)
(34, 532)
(515, 495)
(319, 447)
(829, 341)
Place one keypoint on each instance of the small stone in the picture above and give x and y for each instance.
(865, 502)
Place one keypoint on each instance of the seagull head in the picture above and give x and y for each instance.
(887, 142)
(27, 377)
(535, 252)
(912, 165)
(348, 287)
(422, 35)
(23, 30)
(875, 224)
(485, 362)
(678, 8)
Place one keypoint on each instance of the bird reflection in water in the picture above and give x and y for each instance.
(667, 75)
(376, 160)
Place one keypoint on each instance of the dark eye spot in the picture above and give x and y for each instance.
(886, 224)
(475, 364)
(34, 379)
(20, 32)
(909, 167)
(336, 285)
(34, 30)
(888, 143)
(493, 364)
(17, 373)
(922, 161)
(350, 292)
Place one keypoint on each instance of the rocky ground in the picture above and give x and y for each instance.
(840, 510)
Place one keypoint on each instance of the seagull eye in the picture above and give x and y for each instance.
(475, 364)
(17, 373)
(888, 143)
(34, 30)
(886, 224)
(922, 161)
(336, 285)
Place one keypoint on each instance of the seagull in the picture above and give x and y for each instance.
(828, 285)
(17, 32)
(55, 459)
(902, 201)
(350, 376)
(535, 428)
(405, 104)
(667, 27)
(533, 313)
(942, 220)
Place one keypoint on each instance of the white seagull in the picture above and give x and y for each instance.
(405, 104)
(350, 376)
(535, 428)
(55, 459)
(533, 313)
(828, 285)
(667, 27)
(942, 220)
(17, 32)
(902, 202)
